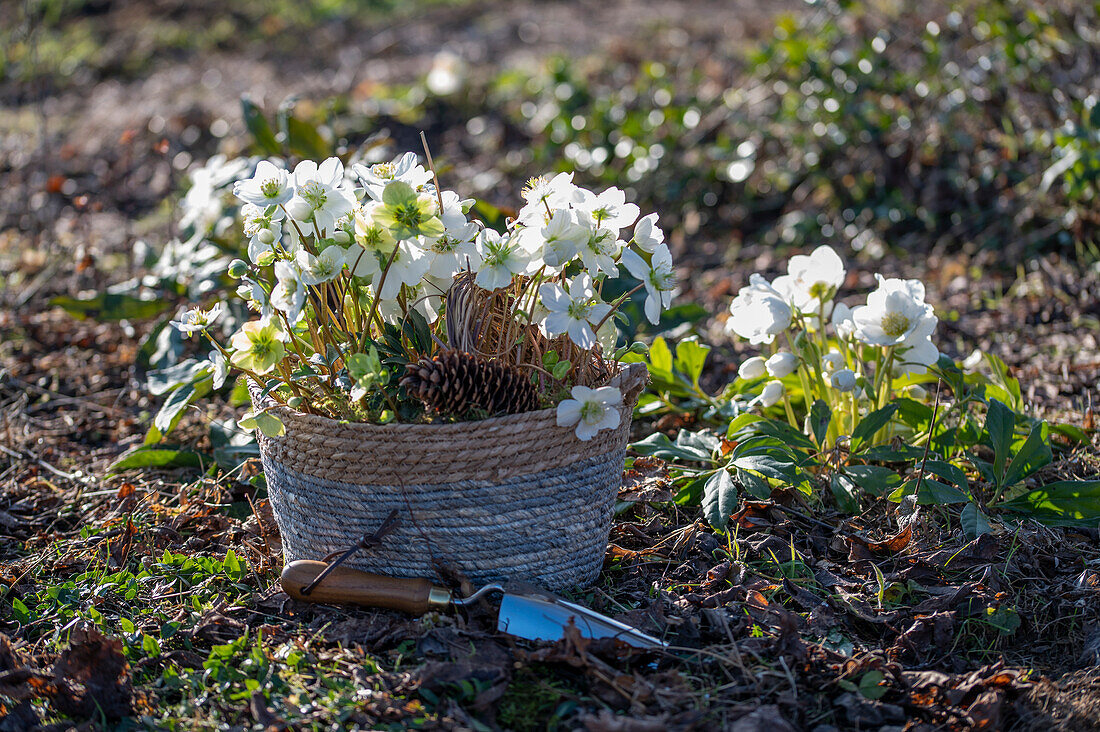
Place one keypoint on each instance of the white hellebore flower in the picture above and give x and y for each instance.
(842, 322)
(196, 319)
(575, 312)
(263, 232)
(456, 250)
(502, 259)
(289, 293)
(598, 252)
(770, 396)
(752, 368)
(410, 264)
(781, 364)
(832, 360)
(322, 267)
(318, 196)
(759, 312)
(892, 313)
(609, 210)
(843, 380)
(256, 296)
(812, 281)
(550, 193)
(591, 410)
(647, 235)
(560, 239)
(544, 196)
(268, 186)
(918, 352)
(405, 168)
(657, 276)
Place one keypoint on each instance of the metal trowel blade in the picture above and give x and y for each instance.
(536, 617)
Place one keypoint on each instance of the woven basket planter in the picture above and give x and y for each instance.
(514, 497)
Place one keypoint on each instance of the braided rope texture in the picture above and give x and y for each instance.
(513, 497)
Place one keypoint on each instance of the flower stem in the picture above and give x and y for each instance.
(615, 306)
(377, 298)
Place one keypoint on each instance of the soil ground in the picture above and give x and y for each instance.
(998, 633)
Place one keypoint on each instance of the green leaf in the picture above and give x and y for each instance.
(691, 491)
(561, 369)
(875, 479)
(872, 686)
(974, 522)
(660, 358)
(1004, 619)
(1000, 422)
(156, 456)
(421, 332)
(690, 356)
(868, 426)
(172, 409)
(913, 413)
(782, 432)
(150, 645)
(756, 486)
(658, 445)
(950, 473)
(1004, 380)
(187, 371)
(770, 467)
(719, 499)
(305, 141)
(1071, 431)
(702, 441)
(262, 135)
(110, 306)
(21, 612)
(742, 421)
(265, 422)
(232, 565)
(932, 493)
(820, 416)
(844, 491)
(891, 454)
(1033, 454)
(1064, 503)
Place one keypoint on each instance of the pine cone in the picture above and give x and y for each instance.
(454, 382)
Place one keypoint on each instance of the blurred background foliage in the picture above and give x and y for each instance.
(873, 125)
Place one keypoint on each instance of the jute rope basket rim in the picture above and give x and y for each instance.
(497, 448)
(630, 380)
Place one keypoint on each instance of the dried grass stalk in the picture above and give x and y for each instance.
(491, 325)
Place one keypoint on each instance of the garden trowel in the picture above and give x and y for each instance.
(533, 615)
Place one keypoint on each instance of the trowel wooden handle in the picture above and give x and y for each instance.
(347, 585)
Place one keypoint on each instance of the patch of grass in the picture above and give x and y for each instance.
(534, 702)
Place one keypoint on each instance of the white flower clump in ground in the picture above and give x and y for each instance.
(855, 366)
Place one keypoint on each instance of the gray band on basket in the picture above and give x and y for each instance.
(514, 497)
(550, 528)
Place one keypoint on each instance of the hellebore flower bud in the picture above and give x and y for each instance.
(752, 368)
(782, 364)
(238, 268)
(843, 380)
(773, 392)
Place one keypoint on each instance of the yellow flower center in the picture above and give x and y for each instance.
(895, 325)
